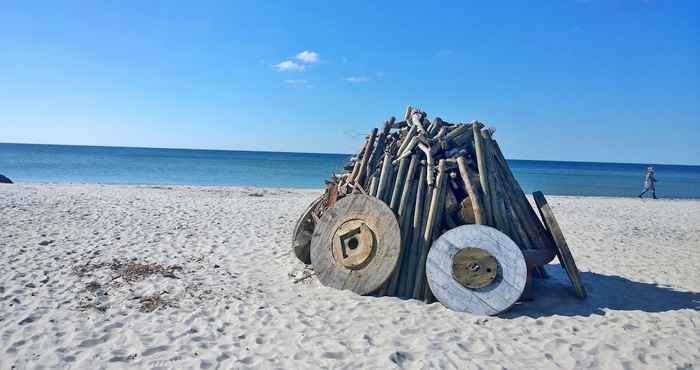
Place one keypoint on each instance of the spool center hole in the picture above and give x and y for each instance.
(474, 267)
(353, 243)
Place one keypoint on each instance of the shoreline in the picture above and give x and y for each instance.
(319, 189)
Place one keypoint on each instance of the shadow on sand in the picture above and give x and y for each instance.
(555, 296)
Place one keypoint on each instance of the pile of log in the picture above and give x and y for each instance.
(433, 177)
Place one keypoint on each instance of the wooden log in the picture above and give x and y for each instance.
(483, 175)
(430, 226)
(473, 190)
(358, 162)
(384, 176)
(533, 226)
(405, 218)
(416, 120)
(413, 254)
(398, 185)
(439, 225)
(429, 161)
(564, 253)
(365, 157)
(407, 193)
(406, 140)
(445, 270)
(373, 183)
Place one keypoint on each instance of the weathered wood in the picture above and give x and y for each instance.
(384, 176)
(405, 218)
(398, 185)
(365, 157)
(373, 183)
(357, 258)
(413, 253)
(432, 223)
(564, 254)
(473, 190)
(303, 230)
(483, 175)
(358, 162)
(406, 140)
(502, 292)
(429, 160)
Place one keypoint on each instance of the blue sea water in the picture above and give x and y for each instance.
(119, 165)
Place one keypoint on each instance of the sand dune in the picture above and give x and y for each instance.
(161, 277)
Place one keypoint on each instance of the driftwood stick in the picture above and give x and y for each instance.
(406, 140)
(436, 224)
(404, 217)
(483, 175)
(414, 253)
(473, 191)
(373, 183)
(430, 225)
(398, 185)
(365, 157)
(429, 161)
(384, 176)
(407, 193)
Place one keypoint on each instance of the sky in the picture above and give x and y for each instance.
(609, 81)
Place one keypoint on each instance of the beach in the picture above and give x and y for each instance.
(187, 277)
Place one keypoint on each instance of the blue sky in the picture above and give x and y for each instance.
(560, 80)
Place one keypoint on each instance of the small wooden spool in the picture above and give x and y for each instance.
(476, 269)
(356, 244)
(303, 230)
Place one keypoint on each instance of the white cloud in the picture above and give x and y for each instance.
(296, 82)
(357, 79)
(289, 65)
(309, 57)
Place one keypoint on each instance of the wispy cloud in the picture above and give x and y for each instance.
(299, 62)
(357, 79)
(289, 65)
(308, 57)
(296, 82)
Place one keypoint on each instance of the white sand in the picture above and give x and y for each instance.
(235, 303)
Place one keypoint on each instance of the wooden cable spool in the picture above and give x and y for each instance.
(356, 244)
(303, 230)
(476, 269)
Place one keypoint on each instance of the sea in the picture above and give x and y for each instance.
(154, 166)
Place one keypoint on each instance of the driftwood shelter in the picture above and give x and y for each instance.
(431, 210)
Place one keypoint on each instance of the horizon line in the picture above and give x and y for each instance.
(326, 153)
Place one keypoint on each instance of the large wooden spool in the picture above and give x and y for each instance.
(303, 230)
(476, 269)
(563, 253)
(356, 244)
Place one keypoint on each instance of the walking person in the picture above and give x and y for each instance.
(649, 183)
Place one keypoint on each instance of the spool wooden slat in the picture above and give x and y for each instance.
(356, 244)
(496, 297)
(563, 252)
(303, 230)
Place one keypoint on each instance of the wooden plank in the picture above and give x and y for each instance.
(564, 254)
